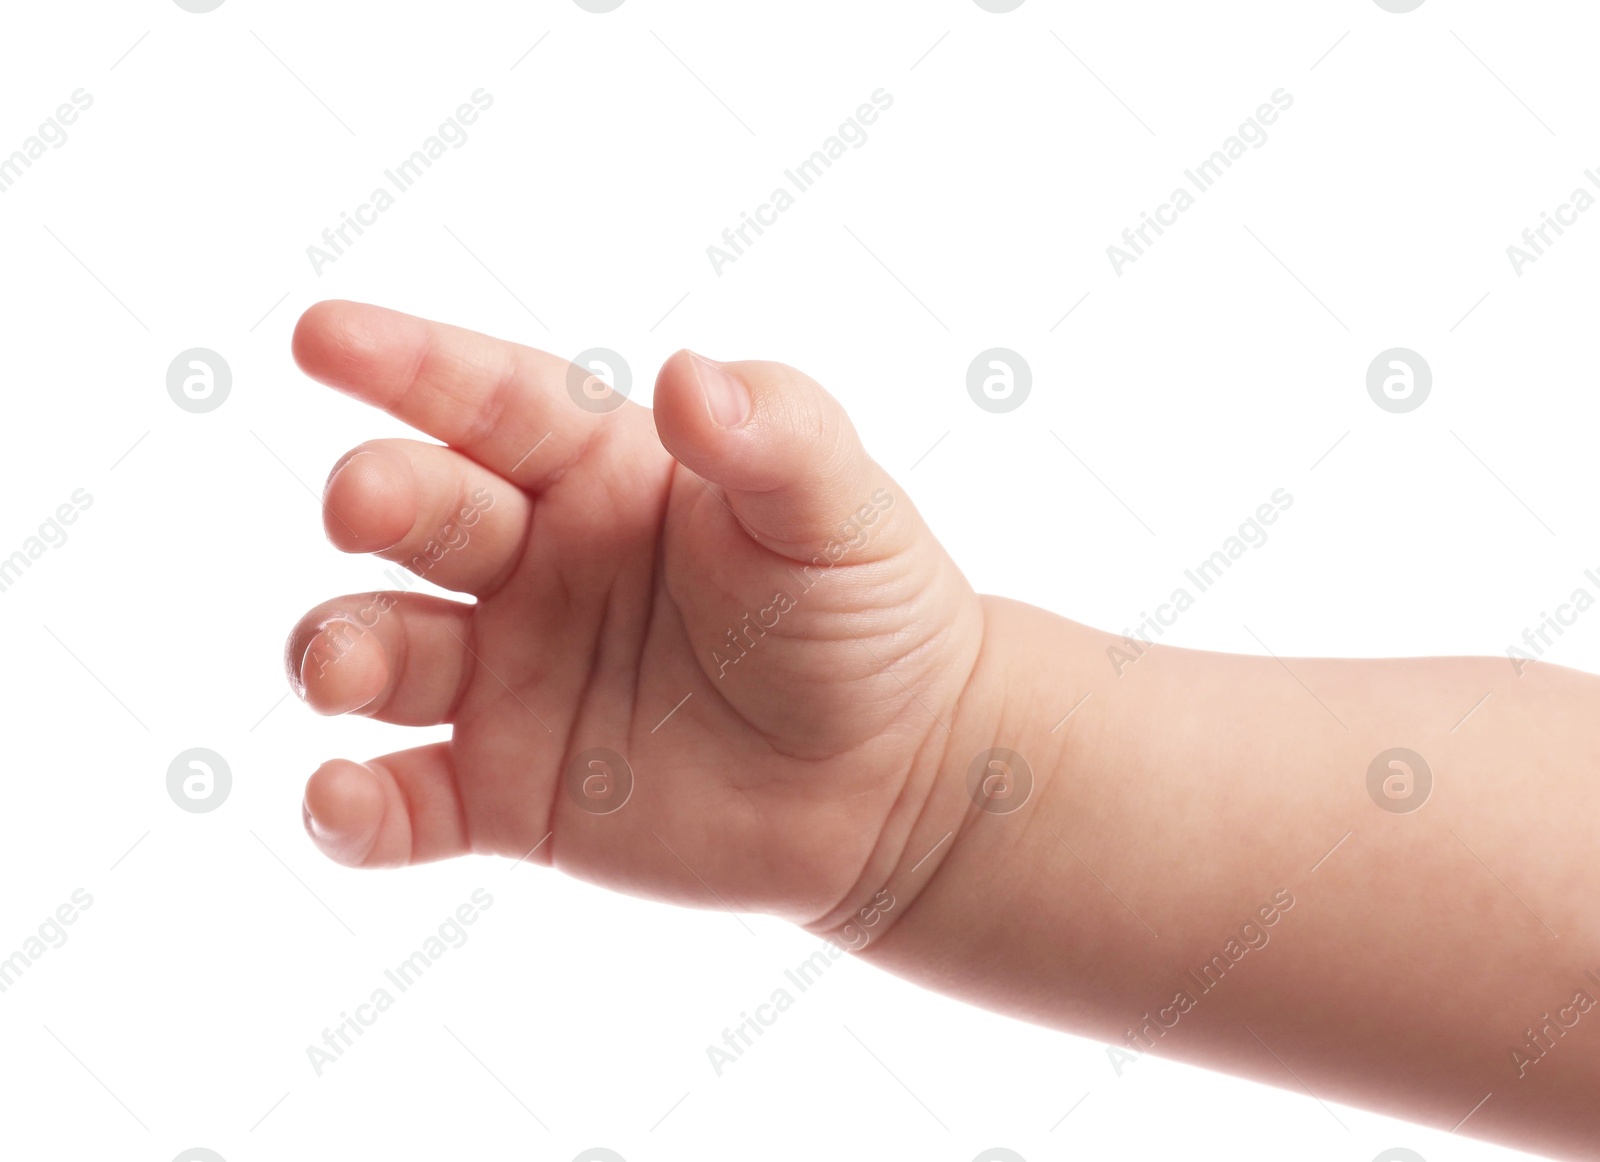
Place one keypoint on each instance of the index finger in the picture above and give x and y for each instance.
(518, 411)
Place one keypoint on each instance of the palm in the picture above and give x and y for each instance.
(658, 696)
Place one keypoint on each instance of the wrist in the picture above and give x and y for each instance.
(977, 785)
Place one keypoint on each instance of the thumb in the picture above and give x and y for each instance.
(786, 455)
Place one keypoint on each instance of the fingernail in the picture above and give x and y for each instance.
(331, 642)
(727, 398)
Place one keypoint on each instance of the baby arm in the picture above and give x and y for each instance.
(715, 656)
(1220, 861)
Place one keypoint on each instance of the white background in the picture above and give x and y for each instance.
(578, 214)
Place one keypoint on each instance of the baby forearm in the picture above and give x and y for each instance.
(1220, 862)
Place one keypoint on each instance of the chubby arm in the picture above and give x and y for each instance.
(1369, 880)
(1175, 852)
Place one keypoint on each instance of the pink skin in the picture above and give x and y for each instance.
(610, 554)
(820, 772)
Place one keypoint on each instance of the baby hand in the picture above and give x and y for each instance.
(714, 647)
